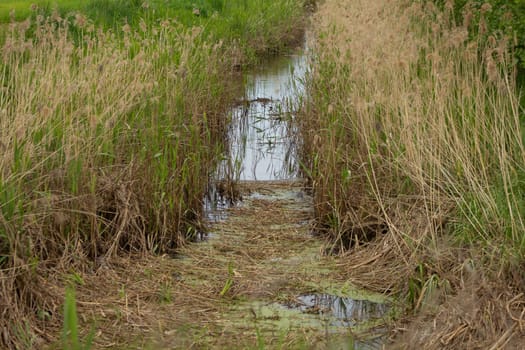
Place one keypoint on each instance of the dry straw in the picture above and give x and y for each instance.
(106, 140)
(412, 126)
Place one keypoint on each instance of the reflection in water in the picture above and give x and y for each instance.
(260, 146)
(215, 203)
(345, 312)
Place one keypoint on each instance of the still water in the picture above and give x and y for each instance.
(260, 144)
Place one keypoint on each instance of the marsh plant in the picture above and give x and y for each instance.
(106, 142)
(415, 129)
(413, 140)
(109, 128)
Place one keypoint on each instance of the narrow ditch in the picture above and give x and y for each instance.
(296, 289)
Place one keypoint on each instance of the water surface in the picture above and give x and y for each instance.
(260, 146)
(260, 149)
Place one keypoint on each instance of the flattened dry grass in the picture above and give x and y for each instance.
(181, 301)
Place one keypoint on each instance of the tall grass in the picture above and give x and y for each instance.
(259, 27)
(106, 145)
(81, 122)
(107, 138)
(410, 124)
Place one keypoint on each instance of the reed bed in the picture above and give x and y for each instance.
(413, 141)
(208, 295)
(107, 138)
(106, 144)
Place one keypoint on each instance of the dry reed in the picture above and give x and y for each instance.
(410, 125)
(107, 141)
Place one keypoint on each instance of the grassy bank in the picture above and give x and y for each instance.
(108, 132)
(258, 27)
(413, 141)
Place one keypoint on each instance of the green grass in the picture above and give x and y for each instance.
(22, 8)
(70, 332)
(261, 27)
(109, 131)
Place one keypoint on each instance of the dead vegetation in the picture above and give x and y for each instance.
(411, 126)
(107, 140)
(209, 294)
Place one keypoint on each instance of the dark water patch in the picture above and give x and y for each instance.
(338, 322)
(364, 319)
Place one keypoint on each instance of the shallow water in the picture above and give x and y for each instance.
(261, 152)
(342, 311)
(260, 146)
